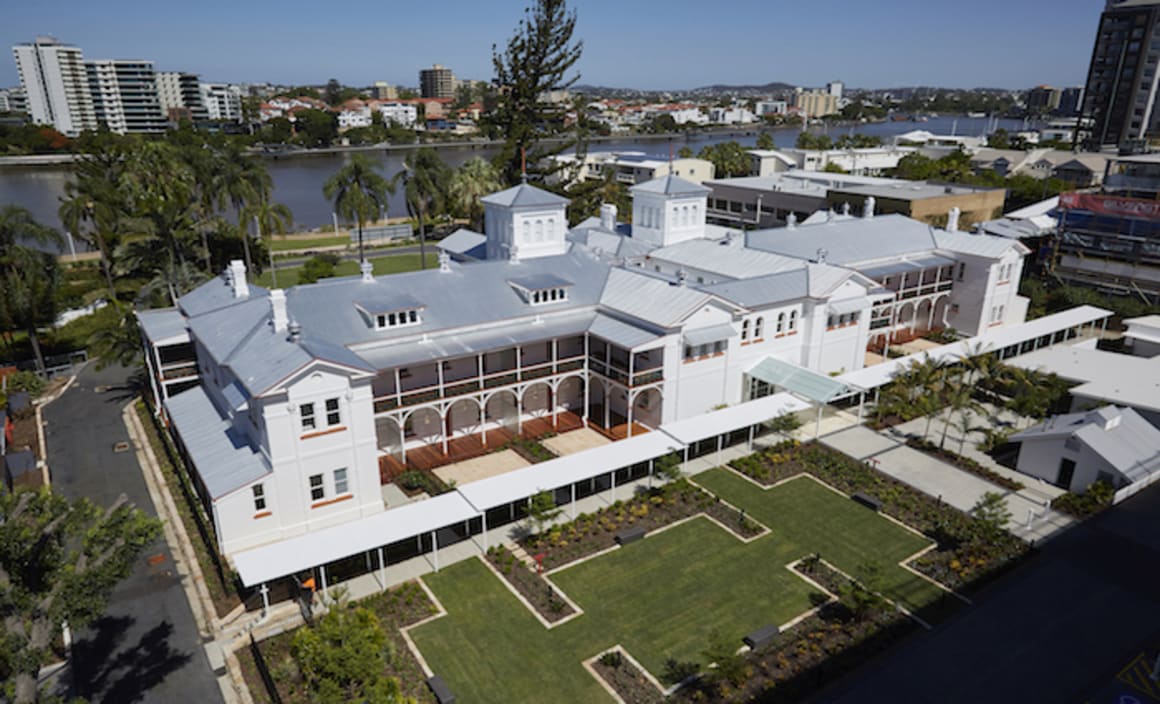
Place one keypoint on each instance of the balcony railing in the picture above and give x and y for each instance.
(462, 387)
(179, 371)
(648, 376)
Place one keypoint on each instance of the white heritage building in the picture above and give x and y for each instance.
(292, 406)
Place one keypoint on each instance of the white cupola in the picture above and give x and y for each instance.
(525, 222)
(668, 210)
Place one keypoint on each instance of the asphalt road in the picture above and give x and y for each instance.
(1080, 622)
(146, 648)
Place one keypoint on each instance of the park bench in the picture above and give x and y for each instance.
(871, 502)
(440, 689)
(630, 535)
(761, 637)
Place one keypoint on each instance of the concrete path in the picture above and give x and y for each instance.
(944, 481)
(146, 648)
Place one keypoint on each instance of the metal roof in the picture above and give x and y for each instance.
(524, 196)
(763, 290)
(462, 241)
(1122, 379)
(849, 242)
(715, 333)
(799, 380)
(383, 302)
(215, 294)
(731, 418)
(221, 454)
(563, 471)
(725, 257)
(650, 299)
(906, 265)
(540, 282)
(163, 326)
(1120, 436)
(621, 333)
(848, 305)
(320, 547)
(671, 185)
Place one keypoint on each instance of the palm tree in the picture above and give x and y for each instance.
(28, 277)
(270, 218)
(958, 396)
(425, 178)
(244, 182)
(359, 193)
(470, 182)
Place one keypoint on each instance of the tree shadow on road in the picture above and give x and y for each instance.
(105, 672)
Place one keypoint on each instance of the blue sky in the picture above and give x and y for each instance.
(628, 43)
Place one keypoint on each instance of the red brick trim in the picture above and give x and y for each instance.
(320, 433)
(335, 500)
(263, 514)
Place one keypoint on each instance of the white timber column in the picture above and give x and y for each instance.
(483, 518)
(861, 404)
(265, 599)
(325, 587)
(630, 400)
(435, 548)
(382, 570)
(573, 487)
(613, 473)
(752, 431)
(720, 444)
(818, 426)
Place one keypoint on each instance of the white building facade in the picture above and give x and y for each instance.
(56, 86)
(126, 97)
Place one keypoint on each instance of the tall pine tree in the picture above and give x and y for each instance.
(536, 61)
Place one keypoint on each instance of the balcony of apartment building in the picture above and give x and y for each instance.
(447, 410)
(922, 290)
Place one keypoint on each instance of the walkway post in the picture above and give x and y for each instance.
(650, 473)
(435, 548)
(720, 443)
(752, 430)
(382, 571)
(613, 473)
(483, 517)
(265, 599)
(861, 403)
(685, 468)
(325, 588)
(818, 427)
(573, 487)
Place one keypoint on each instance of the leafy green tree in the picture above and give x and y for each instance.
(991, 515)
(426, 180)
(863, 596)
(333, 93)
(244, 183)
(59, 563)
(729, 159)
(359, 193)
(999, 139)
(536, 60)
(320, 266)
(343, 657)
(278, 130)
(765, 141)
(685, 152)
(668, 467)
(316, 128)
(809, 140)
(784, 423)
(473, 180)
(915, 167)
(29, 278)
(729, 667)
(542, 510)
(832, 168)
(118, 342)
(661, 124)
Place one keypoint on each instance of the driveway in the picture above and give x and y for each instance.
(146, 648)
(932, 476)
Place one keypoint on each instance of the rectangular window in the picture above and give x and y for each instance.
(333, 417)
(259, 497)
(962, 270)
(340, 483)
(307, 412)
(317, 490)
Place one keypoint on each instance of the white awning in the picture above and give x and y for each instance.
(563, 471)
(319, 547)
(803, 382)
(731, 418)
(882, 374)
(704, 336)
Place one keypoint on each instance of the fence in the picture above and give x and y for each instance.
(1135, 487)
(264, 671)
(54, 365)
(384, 233)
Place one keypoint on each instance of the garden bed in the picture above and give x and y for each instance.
(530, 585)
(653, 509)
(416, 481)
(1097, 498)
(964, 553)
(531, 450)
(395, 609)
(964, 463)
(626, 679)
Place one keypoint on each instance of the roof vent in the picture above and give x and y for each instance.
(682, 277)
(822, 254)
(368, 272)
(868, 207)
(953, 219)
(444, 262)
(295, 331)
(608, 217)
(846, 208)
(791, 221)
(278, 316)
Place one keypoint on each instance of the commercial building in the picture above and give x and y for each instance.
(870, 161)
(384, 91)
(223, 101)
(55, 85)
(772, 107)
(437, 82)
(1070, 101)
(630, 168)
(1120, 93)
(1043, 100)
(835, 89)
(400, 114)
(125, 96)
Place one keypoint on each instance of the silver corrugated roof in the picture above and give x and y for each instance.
(524, 195)
(215, 294)
(540, 282)
(671, 185)
(387, 302)
(714, 333)
(462, 241)
(222, 331)
(763, 290)
(725, 257)
(621, 333)
(801, 381)
(163, 326)
(979, 245)
(650, 299)
(222, 456)
(1131, 445)
(849, 242)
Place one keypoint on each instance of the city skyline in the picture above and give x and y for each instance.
(651, 47)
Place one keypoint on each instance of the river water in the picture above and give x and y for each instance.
(298, 179)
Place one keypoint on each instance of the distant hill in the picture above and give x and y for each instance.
(719, 88)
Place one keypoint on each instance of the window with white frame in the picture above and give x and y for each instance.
(341, 484)
(792, 320)
(744, 330)
(397, 319)
(333, 416)
(259, 497)
(306, 414)
(317, 488)
(758, 328)
(550, 295)
(780, 323)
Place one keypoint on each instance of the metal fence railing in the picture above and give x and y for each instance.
(54, 365)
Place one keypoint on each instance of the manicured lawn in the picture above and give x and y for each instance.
(390, 264)
(308, 243)
(659, 598)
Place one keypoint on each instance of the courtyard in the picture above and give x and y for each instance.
(662, 597)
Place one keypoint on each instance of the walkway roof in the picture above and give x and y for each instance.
(563, 471)
(882, 374)
(801, 381)
(320, 547)
(731, 418)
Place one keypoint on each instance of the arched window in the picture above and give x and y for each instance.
(551, 229)
(744, 330)
(539, 230)
(527, 231)
(684, 216)
(695, 219)
(780, 323)
(793, 320)
(758, 328)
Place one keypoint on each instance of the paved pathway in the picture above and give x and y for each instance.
(147, 647)
(937, 478)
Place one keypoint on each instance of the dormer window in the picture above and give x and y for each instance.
(541, 289)
(390, 311)
(384, 321)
